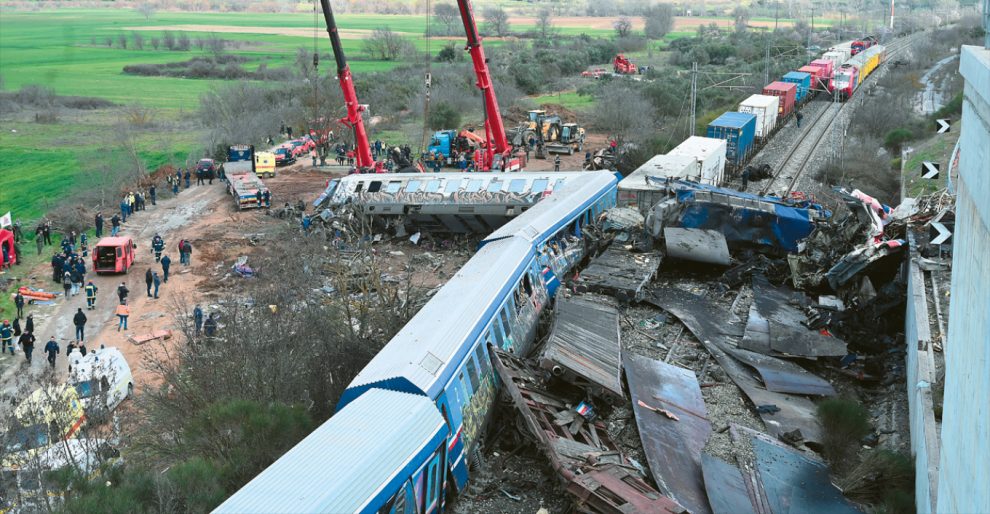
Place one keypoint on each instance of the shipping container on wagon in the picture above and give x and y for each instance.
(787, 92)
(836, 58)
(815, 73)
(636, 192)
(710, 155)
(738, 129)
(765, 109)
(825, 67)
(803, 82)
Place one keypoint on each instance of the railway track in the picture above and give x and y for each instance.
(800, 154)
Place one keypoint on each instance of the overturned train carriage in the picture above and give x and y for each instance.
(440, 359)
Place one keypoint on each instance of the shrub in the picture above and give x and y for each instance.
(444, 116)
(953, 108)
(895, 138)
(845, 423)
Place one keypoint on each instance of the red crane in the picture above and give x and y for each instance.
(353, 119)
(498, 150)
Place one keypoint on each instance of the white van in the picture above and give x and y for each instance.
(102, 378)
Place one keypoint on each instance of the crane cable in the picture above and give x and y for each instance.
(427, 81)
(316, 71)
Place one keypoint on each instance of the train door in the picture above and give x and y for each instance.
(433, 490)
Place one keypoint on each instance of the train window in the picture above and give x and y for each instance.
(517, 185)
(412, 186)
(539, 185)
(433, 186)
(504, 316)
(452, 186)
(473, 186)
(495, 186)
(497, 333)
(558, 184)
(527, 285)
(393, 186)
(467, 390)
(472, 373)
(359, 187)
(483, 363)
(375, 186)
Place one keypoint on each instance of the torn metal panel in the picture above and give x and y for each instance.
(621, 273)
(858, 260)
(796, 484)
(782, 413)
(782, 376)
(672, 444)
(756, 336)
(580, 451)
(726, 488)
(616, 489)
(786, 334)
(697, 245)
(584, 346)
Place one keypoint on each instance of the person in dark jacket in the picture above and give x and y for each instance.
(52, 350)
(27, 344)
(6, 337)
(257, 197)
(57, 261)
(29, 323)
(99, 224)
(67, 283)
(187, 176)
(77, 279)
(79, 320)
(122, 292)
(17, 327)
(198, 318)
(19, 303)
(157, 246)
(148, 279)
(157, 281)
(153, 193)
(210, 326)
(91, 290)
(166, 264)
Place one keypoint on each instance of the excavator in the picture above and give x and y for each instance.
(364, 162)
(497, 154)
(552, 134)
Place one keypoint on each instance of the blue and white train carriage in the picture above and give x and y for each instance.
(438, 361)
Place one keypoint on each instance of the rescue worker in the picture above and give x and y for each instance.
(153, 193)
(199, 176)
(99, 224)
(122, 312)
(115, 225)
(6, 337)
(19, 303)
(157, 281)
(122, 292)
(52, 350)
(798, 116)
(40, 242)
(79, 320)
(187, 176)
(198, 318)
(158, 245)
(27, 344)
(267, 197)
(91, 295)
(148, 279)
(124, 207)
(556, 163)
(257, 198)
(29, 323)
(166, 264)
(76, 279)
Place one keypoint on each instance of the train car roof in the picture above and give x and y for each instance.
(418, 359)
(545, 218)
(377, 441)
(860, 59)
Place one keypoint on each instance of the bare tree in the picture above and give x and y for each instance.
(168, 39)
(741, 16)
(385, 44)
(448, 16)
(138, 40)
(122, 40)
(497, 21)
(182, 42)
(627, 114)
(215, 44)
(544, 23)
(659, 21)
(155, 43)
(623, 26)
(147, 9)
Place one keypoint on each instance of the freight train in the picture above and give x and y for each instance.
(408, 425)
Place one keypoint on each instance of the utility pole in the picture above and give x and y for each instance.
(694, 97)
(766, 70)
(776, 7)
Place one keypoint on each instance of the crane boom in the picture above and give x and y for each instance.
(353, 119)
(493, 117)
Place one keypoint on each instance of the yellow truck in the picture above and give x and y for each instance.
(264, 164)
(50, 414)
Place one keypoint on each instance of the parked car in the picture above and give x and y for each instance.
(208, 167)
(113, 255)
(102, 379)
(284, 156)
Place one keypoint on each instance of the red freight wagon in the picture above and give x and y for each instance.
(816, 77)
(827, 67)
(786, 91)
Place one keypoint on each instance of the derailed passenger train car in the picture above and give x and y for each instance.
(440, 359)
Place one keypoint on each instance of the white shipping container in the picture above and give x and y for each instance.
(764, 107)
(710, 154)
(636, 192)
(837, 56)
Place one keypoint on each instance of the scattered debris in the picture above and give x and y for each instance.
(138, 340)
(584, 347)
(699, 245)
(775, 326)
(673, 440)
(620, 273)
(791, 482)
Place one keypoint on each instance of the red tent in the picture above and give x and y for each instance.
(7, 247)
